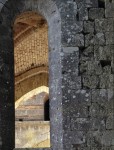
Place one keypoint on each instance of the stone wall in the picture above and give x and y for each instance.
(88, 76)
(83, 116)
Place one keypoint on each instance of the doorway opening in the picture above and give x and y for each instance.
(32, 123)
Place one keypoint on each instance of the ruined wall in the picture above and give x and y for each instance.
(32, 134)
(87, 75)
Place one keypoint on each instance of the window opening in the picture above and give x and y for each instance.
(32, 123)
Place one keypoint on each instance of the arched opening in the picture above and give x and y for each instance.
(31, 81)
(9, 10)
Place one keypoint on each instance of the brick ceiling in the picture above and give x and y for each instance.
(31, 42)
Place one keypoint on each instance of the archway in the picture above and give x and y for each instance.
(49, 10)
(31, 128)
(30, 54)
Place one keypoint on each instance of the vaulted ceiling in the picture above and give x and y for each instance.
(31, 42)
(31, 52)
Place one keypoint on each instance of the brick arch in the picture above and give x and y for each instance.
(26, 85)
(33, 92)
(49, 10)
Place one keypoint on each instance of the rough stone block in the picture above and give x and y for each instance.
(75, 83)
(66, 122)
(79, 40)
(81, 97)
(70, 59)
(70, 29)
(93, 140)
(110, 122)
(88, 26)
(103, 25)
(94, 110)
(80, 124)
(77, 137)
(97, 123)
(107, 69)
(94, 68)
(87, 3)
(99, 39)
(91, 39)
(109, 38)
(90, 82)
(103, 52)
(76, 40)
(82, 13)
(110, 94)
(109, 5)
(79, 111)
(100, 96)
(88, 52)
(83, 67)
(96, 13)
(90, 68)
(106, 81)
(66, 12)
(107, 138)
(80, 147)
(71, 81)
(100, 140)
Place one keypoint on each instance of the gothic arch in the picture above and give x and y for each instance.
(9, 11)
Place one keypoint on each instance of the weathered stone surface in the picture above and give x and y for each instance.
(109, 12)
(80, 111)
(103, 52)
(106, 81)
(91, 67)
(96, 13)
(109, 38)
(90, 81)
(72, 137)
(97, 124)
(97, 39)
(69, 81)
(100, 96)
(81, 73)
(110, 122)
(87, 3)
(81, 97)
(80, 124)
(103, 25)
(82, 13)
(69, 58)
(88, 26)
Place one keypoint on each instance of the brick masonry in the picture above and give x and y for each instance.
(85, 82)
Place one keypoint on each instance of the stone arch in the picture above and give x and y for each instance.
(34, 92)
(9, 11)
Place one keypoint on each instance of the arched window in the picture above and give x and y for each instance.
(9, 11)
(31, 80)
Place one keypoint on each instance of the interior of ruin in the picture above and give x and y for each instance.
(32, 123)
(56, 74)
